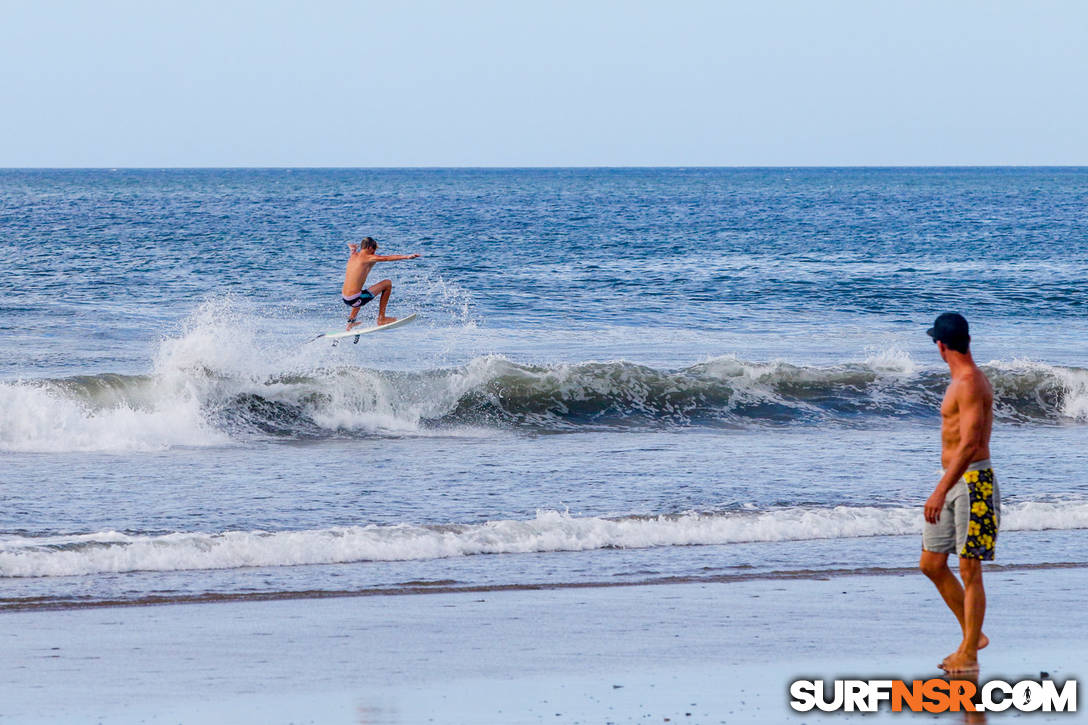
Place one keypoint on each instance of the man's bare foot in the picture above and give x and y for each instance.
(351, 325)
(386, 320)
(983, 640)
(958, 662)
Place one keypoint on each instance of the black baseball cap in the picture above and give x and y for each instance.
(950, 327)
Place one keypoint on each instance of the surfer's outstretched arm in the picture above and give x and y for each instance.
(393, 257)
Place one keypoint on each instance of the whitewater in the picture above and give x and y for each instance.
(548, 531)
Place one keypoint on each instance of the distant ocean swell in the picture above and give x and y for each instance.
(201, 406)
(549, 531)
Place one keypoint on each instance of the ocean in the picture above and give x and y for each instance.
(618, 376)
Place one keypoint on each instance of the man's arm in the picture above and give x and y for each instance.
(393, 257)
(971, 405)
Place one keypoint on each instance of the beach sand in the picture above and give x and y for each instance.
(687, 653)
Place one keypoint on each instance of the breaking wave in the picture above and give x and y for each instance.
(549, 531)
(215, 384)
(202, 407)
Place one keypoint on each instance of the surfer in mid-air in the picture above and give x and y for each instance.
(354, 295)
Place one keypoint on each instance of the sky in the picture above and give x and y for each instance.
(670, 83)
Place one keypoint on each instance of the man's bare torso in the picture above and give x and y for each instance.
(359, 266)
(971, 388)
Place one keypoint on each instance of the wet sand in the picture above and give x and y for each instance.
(696, 652)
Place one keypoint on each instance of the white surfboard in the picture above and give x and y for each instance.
(356, 331)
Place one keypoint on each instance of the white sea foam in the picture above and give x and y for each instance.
(37, 419)
(549, 531)
(892, 359)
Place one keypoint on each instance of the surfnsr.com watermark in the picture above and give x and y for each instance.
(935, 695)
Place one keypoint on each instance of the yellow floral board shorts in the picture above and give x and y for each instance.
(971, 515)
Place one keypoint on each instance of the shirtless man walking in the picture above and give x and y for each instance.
(362, 259)
(963, 513)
